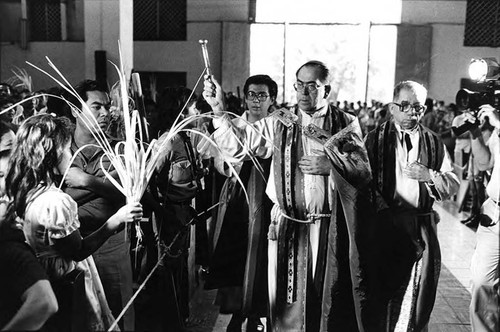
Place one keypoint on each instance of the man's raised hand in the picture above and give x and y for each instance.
(213, 94)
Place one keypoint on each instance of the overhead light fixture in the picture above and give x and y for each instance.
(484, 69)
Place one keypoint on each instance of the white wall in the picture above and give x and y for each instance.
(204, 22)
(431, 11)
(182, 56)
(67, 56)
(108, 22)
(449, 58)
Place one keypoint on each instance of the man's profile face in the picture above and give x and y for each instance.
(307, 100)
(257, 105)
(408, 120)
(98, 103)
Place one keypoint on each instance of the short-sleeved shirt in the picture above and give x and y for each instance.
(20, 270)
(93, 209)
(50, 215)
(176, 179)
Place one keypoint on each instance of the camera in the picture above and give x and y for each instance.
(486, 72)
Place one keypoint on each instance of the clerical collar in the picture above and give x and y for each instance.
(320, 113)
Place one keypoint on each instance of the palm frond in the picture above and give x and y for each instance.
(21, 79)
(133, 160)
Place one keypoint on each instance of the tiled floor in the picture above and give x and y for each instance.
(451, 309)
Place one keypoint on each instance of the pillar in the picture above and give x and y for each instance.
(106, 23)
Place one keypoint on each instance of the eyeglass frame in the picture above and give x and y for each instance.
(260, 96)
(311, 86)
(413, 107)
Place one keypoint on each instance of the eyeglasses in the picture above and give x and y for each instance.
(406, 107)
(261, 96)
(311, 87)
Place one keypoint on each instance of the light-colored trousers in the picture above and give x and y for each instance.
(484, 308)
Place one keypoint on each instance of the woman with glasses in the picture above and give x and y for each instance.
(238, 267)
(411, 169)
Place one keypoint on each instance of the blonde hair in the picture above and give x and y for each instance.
(35, 156)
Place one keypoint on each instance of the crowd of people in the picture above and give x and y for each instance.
(314, 217)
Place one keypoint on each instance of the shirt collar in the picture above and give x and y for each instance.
(321, 113)
(402, 131)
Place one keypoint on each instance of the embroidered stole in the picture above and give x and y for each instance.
(383, 160)
(289, 184)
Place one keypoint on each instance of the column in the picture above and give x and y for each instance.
(106, 23)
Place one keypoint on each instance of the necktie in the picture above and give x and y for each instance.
(408, 142)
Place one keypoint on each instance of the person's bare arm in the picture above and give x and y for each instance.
(38, 304)
(77, 178)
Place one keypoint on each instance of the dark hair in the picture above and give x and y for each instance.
(324, 72)
(383, 110)
(234, 104)
(429, 104)
(9, 87)
(25, 90)
(35, 155)
(89, 85)
(202, 105)
(57, 105)
(40, 92)
(5, 128)
(453, 108)
(262, 79)
(5, 100)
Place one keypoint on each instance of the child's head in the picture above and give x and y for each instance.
(40, 145)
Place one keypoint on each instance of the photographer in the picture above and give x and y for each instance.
(484, 266)
(470, 176)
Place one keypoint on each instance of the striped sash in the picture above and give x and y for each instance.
(381, 145)
(289, 184)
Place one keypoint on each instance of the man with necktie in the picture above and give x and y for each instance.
(411, 169)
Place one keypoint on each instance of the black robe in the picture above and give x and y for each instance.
(408, 253)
